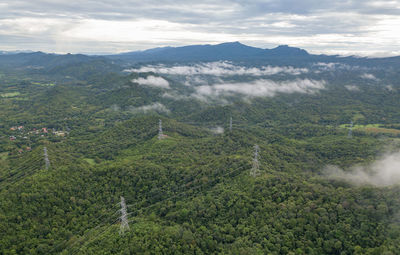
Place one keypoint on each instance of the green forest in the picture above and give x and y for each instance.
(197, 187)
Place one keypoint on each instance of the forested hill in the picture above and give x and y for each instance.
(257, 156)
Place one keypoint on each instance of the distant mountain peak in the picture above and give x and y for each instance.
(286, 50)
(232, 43)
(212, 52)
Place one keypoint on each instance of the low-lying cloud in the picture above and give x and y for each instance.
(260, 88)
(152, 81)
(368, 76)
(155, 107)
(336, 66)
(352, 88)
(332, 66)
(383, 172)
(176, 96)
(217, 130)
(220, 68)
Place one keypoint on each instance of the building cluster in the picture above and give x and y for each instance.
(44, 131)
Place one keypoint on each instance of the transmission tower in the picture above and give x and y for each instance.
(230, 125)
(46, 158)
(255, 170)
(350, 134)
(160, 132)
(124, 217)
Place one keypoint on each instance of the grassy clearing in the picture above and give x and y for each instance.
(90, 161)
(373, 128)
(382, 130)
(44, 84)
(10, 94)
(3, 155)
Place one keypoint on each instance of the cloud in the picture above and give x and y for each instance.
(155, 107)
(176, 96)
(368, 76)
(352, 88)
(219, 92)
(260, 88)
(152, 81)
(219, 68)
(217, 130)
(333, 66)
(383, 172)
(197, 80)
(115, 108)
(343, 26)
(389, 87)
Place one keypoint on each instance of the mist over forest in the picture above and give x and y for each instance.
(200, 127)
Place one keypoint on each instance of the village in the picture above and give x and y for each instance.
(22, 136)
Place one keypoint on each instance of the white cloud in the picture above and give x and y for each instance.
(155, 107)
(115, 108)
(368, 76)
(389, 87)
(260, 88)
(345, 27)
(151, 30)
(220, 68)
(352, 88)
(332, 66)
(383, 172)
(197, 80)
(176, 96)
(152, 81)
(217, 130)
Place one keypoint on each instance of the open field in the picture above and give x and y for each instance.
(373, 128)
(10, 94)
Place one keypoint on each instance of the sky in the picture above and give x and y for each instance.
(346, 27)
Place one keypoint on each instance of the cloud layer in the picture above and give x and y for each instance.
(220, 68)
(343, 26)
(217, 130)
(352, 88)
(260, 88)
(368, 76)
(155, 107)
(383, 172)
(152, 81)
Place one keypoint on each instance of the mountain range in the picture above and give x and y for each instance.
(231, 51)
(223, 51)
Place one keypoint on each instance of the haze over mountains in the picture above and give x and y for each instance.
(224, 51)
(81, 65)
(231, 51)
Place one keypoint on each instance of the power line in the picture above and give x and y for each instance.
(350, 134)
(124, 217)
(149, 206)
(46, 158)
(89, 232)
(95, 237)
(191, 189)
(11, 179)
(160, 132)
(256, 164)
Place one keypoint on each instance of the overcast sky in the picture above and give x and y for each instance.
(363, 27)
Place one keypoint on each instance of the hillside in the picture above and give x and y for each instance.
(316, 184)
